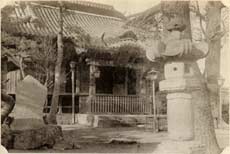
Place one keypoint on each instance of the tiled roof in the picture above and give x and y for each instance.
(86, 6)
(93, 4)
(92, 24)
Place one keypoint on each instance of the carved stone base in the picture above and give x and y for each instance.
(180, 147)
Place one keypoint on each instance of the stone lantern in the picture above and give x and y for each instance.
(180, 80)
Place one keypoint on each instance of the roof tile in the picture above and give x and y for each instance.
(92, 24)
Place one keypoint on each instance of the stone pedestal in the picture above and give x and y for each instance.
(179, 82)
(180, 116)
(30, 99)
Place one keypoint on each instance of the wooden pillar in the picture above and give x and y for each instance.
(138, 77)
(154, 110)
(77, 89)
(126, 81)
(92, 87)
(140, 82)
(152, 76)
(72, 66)
(77, 79)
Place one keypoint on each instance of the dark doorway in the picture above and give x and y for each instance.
(132, 79)
(104, 84)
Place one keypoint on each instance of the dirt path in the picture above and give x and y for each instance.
(96, 140)
(100, 148)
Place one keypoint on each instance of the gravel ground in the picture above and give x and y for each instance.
(97, 140)
(100, 148)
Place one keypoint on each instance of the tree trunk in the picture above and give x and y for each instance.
(21, 67)
(203, 121)
(57, 83)
(212, 62)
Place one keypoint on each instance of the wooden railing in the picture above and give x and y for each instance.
(106, 104)
(119, 104)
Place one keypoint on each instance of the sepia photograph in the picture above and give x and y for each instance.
(115, 76)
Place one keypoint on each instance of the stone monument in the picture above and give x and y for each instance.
(178, 56)
(30, 100)
(28, 131)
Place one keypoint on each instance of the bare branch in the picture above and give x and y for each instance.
(200, 19)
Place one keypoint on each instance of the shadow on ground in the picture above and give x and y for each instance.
(98, 140)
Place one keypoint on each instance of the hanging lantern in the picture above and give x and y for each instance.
(152, 75)
(72, 64)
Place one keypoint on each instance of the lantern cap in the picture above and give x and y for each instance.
(72, 64)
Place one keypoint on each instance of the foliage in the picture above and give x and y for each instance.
(201, 13)
(78, 36)
(40, 53)
(151, 20)
(9, 41)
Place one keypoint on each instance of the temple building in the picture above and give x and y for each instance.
(111, 68)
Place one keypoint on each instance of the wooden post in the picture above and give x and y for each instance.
(60, 105)
(142, 85)
(138, 77)
(152, 76)
(126, 81)
(154, 105)
(92, 86)
(77, 80)
(72, 66)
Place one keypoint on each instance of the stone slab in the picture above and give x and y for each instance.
(30, 99)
